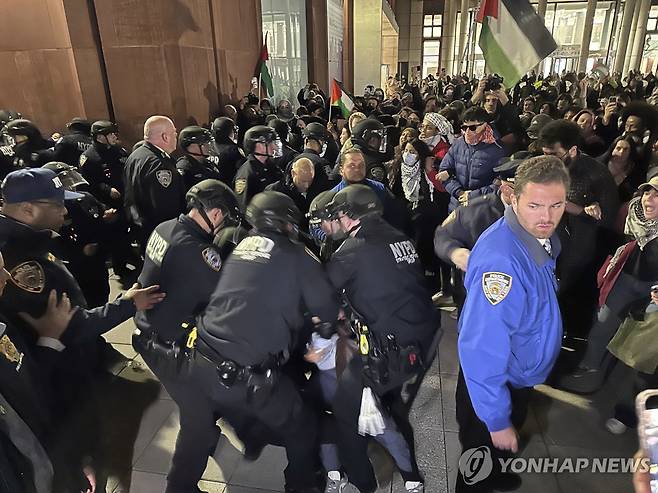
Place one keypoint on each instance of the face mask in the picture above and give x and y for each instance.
(431, 141)
(409, 159)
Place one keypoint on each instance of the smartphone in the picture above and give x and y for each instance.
(647, 411)
(254, 83)
(613, 99)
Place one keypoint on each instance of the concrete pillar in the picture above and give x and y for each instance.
(348, 45)
(367, 43)
(451, 24)
(463, 38)
(631, 39)
(587, 35)
(317, 42)
(622, 44)
(447, 36)
(640, 35)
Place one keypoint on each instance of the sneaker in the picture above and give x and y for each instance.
(616, 427)
(414, 487)
(582, 381)
(335, 482)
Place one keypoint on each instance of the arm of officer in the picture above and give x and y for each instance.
(318, 293)
(452, 185)
(341, 267)
(451, 235)
(493, 311)
(162, 194)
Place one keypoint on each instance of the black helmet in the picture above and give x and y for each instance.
(8, 115)
(370, 136)
(194, 135)
(213, 194)
(103, 127)
(315, 131)
(228, 238)
(280, 127)
(356, 201)
(536, 124)
(273, 211)
(222, 128)
(79, 125)
(68, 175)
(22, 127)
(264, 135)
(319, 208)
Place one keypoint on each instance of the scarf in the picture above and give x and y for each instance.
(641, 229)
(486, 136)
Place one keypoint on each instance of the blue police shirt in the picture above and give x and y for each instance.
(510, 329)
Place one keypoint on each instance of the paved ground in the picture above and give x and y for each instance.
(141, 424)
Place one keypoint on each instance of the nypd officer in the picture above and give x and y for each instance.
(181, 258)
(259, 170)
(225, 153)
(155, 191)
(194, 165)
(70, 147)
(250, 323)
(379, 269)
(510, 329)
(316, 138)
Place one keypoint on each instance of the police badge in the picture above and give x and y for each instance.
(496, 286)
(164, 177)
(9, 351)
(29, 276)
(212, 258)
(240, 185)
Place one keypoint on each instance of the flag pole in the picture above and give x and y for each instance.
(331, 92)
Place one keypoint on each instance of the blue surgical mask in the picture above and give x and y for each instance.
(409, 159)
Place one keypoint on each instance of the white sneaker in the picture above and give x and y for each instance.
(335, 482)
(616, 427)
(414, 487)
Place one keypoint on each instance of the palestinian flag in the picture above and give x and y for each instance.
(341, 99)
(514, 38)
(264, 74)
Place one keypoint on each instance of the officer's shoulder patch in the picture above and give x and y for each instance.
(29, 276)
(240, 185)
(164, 177)
(83, 160)
(311, 254)
(212, 258)
(496, 286)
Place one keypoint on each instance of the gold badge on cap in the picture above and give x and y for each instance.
(9, 351)
(496, 286)
(29, 276)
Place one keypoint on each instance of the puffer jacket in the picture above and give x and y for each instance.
(470, 168)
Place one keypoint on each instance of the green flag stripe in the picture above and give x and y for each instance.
(496, 59)
(266, 79)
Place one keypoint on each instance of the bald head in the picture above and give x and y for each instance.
(302, 174)
(160, 131)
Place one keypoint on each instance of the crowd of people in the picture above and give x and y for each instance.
(285, 263)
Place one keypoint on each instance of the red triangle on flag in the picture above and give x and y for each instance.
(264, 54)
(488, 8)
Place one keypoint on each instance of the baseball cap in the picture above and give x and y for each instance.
(30, 185)
(507, 166)
(653, 183)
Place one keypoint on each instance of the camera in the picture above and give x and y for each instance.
(493, 82)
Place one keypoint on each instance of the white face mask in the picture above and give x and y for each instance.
(323, 150)
(408, 158)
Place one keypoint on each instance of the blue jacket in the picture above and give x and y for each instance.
(378, 187)
(510, 330)
(470, 168)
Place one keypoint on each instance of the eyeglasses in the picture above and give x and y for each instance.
(472, 128)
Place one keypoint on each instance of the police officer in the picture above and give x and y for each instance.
(155, 191)
(181, 259)
(70, 147)
(263, 146)
(30, 148)
(224, 151)
(512, 304)
(195, 165)
(369, 136)
(324, 230)
(245, 333)
(287, 152)
(296, 184)
(316, 138)
(380, 271)
(83, 235)
(456, 237)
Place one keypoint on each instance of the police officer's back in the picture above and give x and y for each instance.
(71, 146)
(224, 151)
(194, 165)
(259, 170)
(30, 148)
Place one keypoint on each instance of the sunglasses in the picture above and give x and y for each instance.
(472, 128)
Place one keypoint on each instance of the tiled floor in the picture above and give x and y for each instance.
(143, 421)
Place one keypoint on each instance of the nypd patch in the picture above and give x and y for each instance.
(212, 258)
(164, 177)
(240, 185)
(29, 276)
(82, 161)
(496, 286)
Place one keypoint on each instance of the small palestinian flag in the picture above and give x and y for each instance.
(514, 38)
(341, 99)
(264, 74)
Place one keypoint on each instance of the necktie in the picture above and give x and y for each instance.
(547, 247)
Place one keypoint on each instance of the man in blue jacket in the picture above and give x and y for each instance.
(510, 329)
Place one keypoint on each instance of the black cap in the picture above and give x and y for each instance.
(103, 127)
(507, 166)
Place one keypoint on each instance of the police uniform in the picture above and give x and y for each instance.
(154, 189)
(69, 148)
(34, 153)
(286, 186)
(322, 169)
(252, 178)
(102, 166)
(375, 167)
(510, 333)
(227, 157)
(381, 274)
(246, 331)
(194, 171)
(182, 260)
